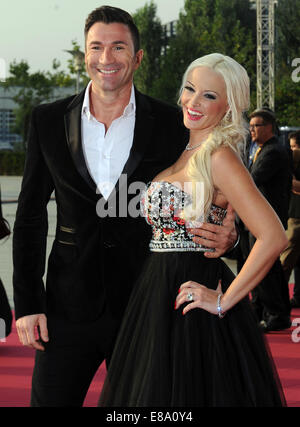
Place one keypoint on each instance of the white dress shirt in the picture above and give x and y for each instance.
(107, 153)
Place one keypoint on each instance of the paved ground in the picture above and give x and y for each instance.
(10, 188)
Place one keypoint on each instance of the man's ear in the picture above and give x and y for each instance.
(138, 58)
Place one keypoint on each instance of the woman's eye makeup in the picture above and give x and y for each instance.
(210, 96)
(189, 88)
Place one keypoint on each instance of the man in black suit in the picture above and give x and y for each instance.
(90, 149)
(291, 255)
(271, 172)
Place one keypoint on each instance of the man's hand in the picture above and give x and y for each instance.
(32, 330)
(221, 238)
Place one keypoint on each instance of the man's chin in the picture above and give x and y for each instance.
(99, 84)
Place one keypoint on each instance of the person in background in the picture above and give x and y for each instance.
(5, 309)
(271, 172)
(5, 313)
(290, 258)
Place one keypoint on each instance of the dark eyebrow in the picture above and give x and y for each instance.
(96, 42)
(190, 83)
(207, 90)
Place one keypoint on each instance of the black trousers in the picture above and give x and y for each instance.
(271, 296)
(64, 371)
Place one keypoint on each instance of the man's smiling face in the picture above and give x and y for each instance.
(110, 57)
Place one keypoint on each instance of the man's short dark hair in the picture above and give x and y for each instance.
(110, 15)
(267, 116)
(296, 136)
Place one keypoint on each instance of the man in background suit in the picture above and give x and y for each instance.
(291, 255)
(77, 146)
(271, 172)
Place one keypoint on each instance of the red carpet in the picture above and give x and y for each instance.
(285, 348)
(16, 364)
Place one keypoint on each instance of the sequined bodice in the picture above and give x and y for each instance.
(161, 205)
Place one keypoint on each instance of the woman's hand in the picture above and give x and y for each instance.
(202, 297)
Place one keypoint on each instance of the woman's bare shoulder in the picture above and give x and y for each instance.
(225, 156)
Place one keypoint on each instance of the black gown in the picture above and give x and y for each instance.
(163, 358)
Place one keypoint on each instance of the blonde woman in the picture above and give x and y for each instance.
(207, 350)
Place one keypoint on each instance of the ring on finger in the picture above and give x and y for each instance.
(190, 296)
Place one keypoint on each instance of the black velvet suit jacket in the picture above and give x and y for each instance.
(272, 175)
(94, 261)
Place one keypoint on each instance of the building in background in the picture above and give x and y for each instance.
(9, 139)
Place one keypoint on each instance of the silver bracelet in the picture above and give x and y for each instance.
(221, 314)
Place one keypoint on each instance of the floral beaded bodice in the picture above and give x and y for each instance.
(161, 205)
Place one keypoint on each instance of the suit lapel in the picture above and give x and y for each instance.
(143, 131)
(73, 135)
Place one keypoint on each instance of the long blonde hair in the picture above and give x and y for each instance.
(230, 131)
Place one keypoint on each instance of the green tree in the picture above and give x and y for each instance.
(287, 95)
(287, 89)
(32, 89)
(151, 33)
(207, 26)
(287, 18)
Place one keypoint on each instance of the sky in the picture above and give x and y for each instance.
(40, 30)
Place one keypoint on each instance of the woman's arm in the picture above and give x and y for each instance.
(234, 181)
(258, 216)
